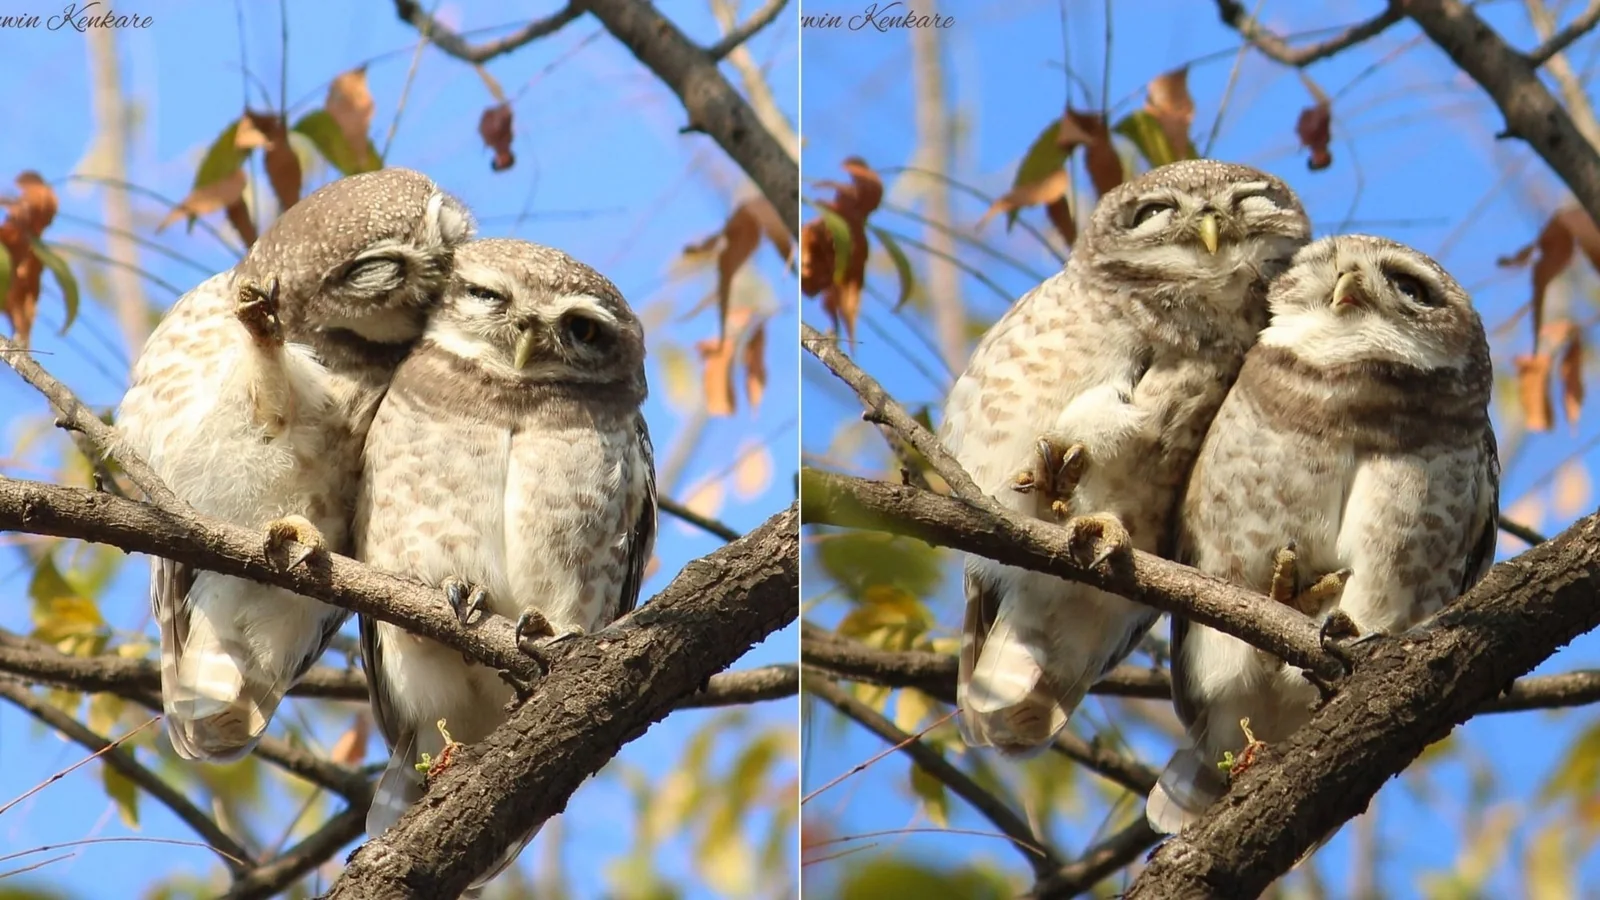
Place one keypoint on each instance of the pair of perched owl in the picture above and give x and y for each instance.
(1342, 460)
(371, 380)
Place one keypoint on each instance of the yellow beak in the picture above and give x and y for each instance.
(524, 348)
(1345, 291)
(1208, 232)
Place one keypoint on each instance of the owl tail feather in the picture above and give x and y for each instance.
(1005, 699)
(1187, 786)
(215, 711)
(400, 786)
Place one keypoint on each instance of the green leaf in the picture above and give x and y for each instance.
(839, 230)
(5, 272)
(1044, 156)
(902, 265)
(124, 793)
(222, 158)
(887, 876)
(1145, 132)
(935, 801)
(326, 135)
(63, 273)
(860, 560)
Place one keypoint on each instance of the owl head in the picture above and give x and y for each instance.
(534, 314)
(366, 255)
(1198, 230)
(1356, 298)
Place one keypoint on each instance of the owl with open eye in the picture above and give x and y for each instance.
(1086, 404)
(1356, 443)
(251, 401)
(510, 465)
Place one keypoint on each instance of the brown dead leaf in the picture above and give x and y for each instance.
(1562, 340)
(1168, 101)
(737, 242)
(350, 105)
(1533, 391)
(1568, 230)
(351, 747)
(717, 356)
(1050, 189)
(28, 214)
(220, 194)
(268, 132)
(495, 129)
(755, 365)
(819, 266)
(1060, 213)
(1089, 130)
(1315, 130)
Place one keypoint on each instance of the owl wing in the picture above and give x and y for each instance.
(642, 538)
(1486, 514)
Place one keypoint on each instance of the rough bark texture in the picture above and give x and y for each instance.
(1407, 691)
(602, 691)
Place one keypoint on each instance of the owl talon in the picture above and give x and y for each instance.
(464, 599)
(1338, 635)
(298, 531)
(257, 309)
(1285, 575)
(1096, 538)
(1055, 473)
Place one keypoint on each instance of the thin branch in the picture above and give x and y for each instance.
(238, 858)
(272, 877)
(1235, 16)
(1521, 532)
(1559, 41)
(747, 686)
(1098, 862)
(704, 523)
(1128, 773)
(763, 17)
(452, 43)
(1043, 859)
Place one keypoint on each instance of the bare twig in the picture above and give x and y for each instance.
(1043, 859)
(1521, 532)
(452, 43)
(704, 523)
(763, 17)
(1098, 862)
(1235, 16)
(1559, 41)
(272, 876)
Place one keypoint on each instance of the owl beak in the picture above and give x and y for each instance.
(1207, 229)
(525, 345)
(1347, 291)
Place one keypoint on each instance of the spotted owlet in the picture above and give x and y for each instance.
(510, 465)
(251, 401)
(1089, 398)
(1355, 444)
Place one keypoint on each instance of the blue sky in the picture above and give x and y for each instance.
(1414, 159)
(601, 172)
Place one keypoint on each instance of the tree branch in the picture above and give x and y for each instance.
(714, 107)
(273, 876)
(1407, 691)
(1559, 41)
(763, 17)
(602, 690)
(704, 523)
(1098, 862)
(1235, 16)
(1531, 112)
(236, 856)
(1040, 856)
(454, 44)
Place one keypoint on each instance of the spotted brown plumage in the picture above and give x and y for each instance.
(1123, 357)
(251, 401)
(1359, 431)
(509, 463)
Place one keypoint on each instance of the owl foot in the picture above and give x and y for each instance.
(1055, 473)
(257, 309)
(1285, 587)
(298, 531)
(464, 598)
(1096, 538)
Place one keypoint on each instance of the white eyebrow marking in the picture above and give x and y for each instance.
(566, 303)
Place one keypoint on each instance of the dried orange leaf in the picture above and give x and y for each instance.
(269, 132)
(219, 194)
(816, 257)
(1568, 230)
(1168, 101)
(755, 365)
(1049, 189)
(351, 747)
(27, 215)
(350, 105)
(716, 375)
(1533, 391)
(1569, 370)
(843, 227)
(1060, 213)
(1100, 155)
(495, 129)
(753, 471)
(737, 242)
(1315, 130)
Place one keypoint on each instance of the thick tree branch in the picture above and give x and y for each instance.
(1407, 691)
(1531, 112)
(1236, 16)
(1039, 855)
(763, 17)
(1017, 540)
(714, 107)
(235, 855)
(602, 690)
(1562, 39)
(454, 44)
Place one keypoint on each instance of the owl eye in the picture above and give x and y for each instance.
(1413, 289)
(375, 272)
(584, 330)
(487, 295)
(1149, 211)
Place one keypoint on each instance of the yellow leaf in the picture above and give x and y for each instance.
(753, 473)
(935, 802)
(124, 793)
(1550, 865)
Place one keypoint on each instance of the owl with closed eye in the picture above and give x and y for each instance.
(1356, 440)
(1086, 403)
(251, 401)
(510, 465)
